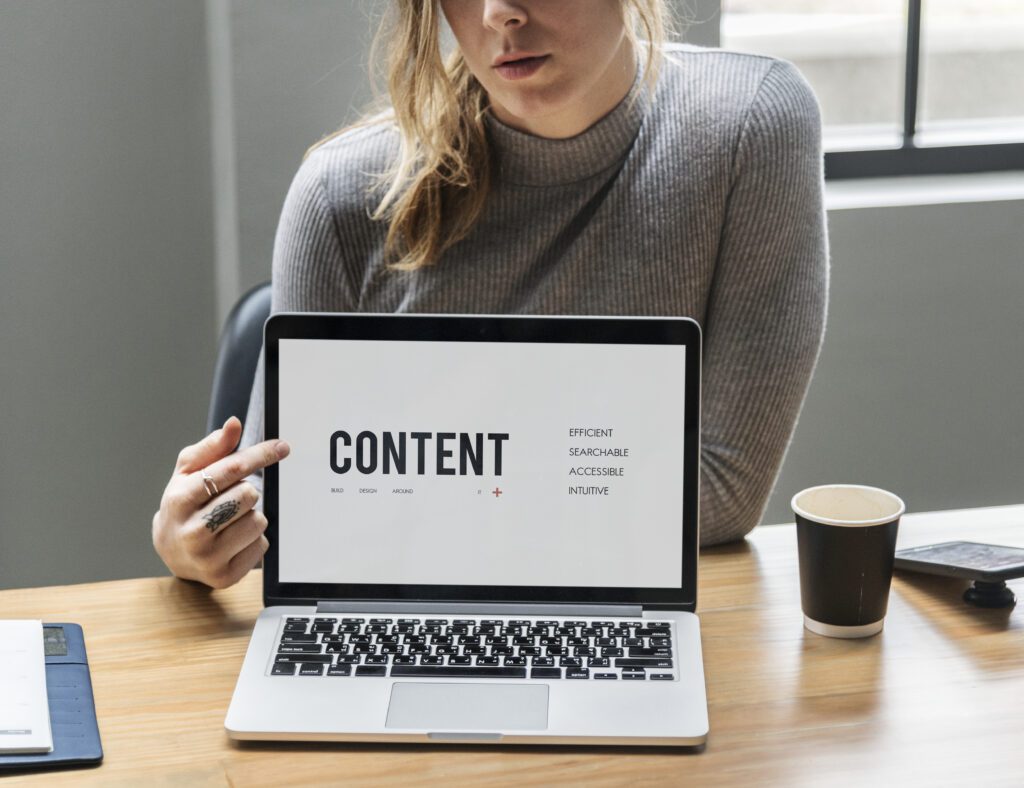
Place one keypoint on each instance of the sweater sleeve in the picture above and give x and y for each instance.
(767, 304)
(307, 275)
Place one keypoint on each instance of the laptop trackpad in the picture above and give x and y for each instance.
(468, 707)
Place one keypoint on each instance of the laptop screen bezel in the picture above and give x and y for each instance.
(487, 328)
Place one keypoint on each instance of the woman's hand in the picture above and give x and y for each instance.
(215, 539)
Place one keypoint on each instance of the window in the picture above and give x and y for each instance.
(906, 86)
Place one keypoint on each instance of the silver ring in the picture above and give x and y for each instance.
(210, 484)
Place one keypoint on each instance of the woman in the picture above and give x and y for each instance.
(555, 164)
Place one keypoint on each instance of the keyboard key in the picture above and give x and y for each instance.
(403, 659)
(633, 676)
(348, 659)
(381, 621)
(296, 620)
(377, 659)
(486, 660)
(457, 671)
(298, 637)
(324, 659)
(643, 663)
(570, 662)
(662, 677)
(431, 660)
(372, 670)
(339, 670)
(605, 676)
(543, 662)
(459, 660)
(284, 669)
(546, 673)
(311, 669)
(611, 652)
(294, 627)
(650, 652)
(599, 662)
(515, 661)
(577, 673)
(300, 648)
(353, 621)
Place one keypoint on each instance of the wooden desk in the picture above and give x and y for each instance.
(936, 699)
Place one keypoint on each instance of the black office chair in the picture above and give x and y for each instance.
(237, 355)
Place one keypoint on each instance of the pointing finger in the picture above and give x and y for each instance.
(219, 443)
(232, 469)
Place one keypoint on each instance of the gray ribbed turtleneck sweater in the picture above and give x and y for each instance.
(715, 212)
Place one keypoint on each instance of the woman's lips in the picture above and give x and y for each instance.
(521, 69)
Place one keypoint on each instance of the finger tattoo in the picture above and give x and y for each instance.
(221, 513)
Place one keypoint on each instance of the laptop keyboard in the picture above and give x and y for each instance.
(506, 648)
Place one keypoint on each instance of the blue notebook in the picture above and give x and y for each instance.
(76, 736)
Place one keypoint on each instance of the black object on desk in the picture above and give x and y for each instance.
(76, 735)
(988, 565)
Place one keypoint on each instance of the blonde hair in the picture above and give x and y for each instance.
(436, 188)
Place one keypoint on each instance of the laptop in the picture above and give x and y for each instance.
(486, 531)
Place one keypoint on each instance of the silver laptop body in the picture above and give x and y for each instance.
(486, 531)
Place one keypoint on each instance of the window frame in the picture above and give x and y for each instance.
(910, 158)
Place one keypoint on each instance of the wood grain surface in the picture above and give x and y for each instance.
(936, 699)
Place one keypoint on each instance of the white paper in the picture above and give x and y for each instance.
(24, 710)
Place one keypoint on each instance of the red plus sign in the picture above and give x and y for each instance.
(497, 491)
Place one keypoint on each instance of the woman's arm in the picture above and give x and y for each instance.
(766, 309)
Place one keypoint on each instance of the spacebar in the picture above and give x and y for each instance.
(457, 671)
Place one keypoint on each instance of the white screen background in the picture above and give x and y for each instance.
(453, 530)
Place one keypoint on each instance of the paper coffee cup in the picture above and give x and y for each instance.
(846, 539)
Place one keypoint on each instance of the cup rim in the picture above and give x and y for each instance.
(902, 507)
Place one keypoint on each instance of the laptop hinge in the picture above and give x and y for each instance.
(481, 608)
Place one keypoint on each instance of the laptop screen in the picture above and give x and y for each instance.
(555, 464)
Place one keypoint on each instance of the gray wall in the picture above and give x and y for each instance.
(920, 383)
(106, 278)
(134, 209)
